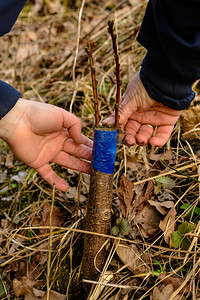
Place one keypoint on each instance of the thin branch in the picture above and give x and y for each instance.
(94, 83)
(117, 70)
(76, 55)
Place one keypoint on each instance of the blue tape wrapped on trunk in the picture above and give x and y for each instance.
(104, 150)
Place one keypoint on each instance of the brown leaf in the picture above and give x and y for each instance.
(25, 288)
(54, 296)
(166, 156)
(125, 194)
(145, 194)
(162, 207)
(133, 258)
(9, 160)
(133, 164)
(190, 119)
(168, 224)
(168, 286)
(57, 218)
(164, 292)
(148, 220)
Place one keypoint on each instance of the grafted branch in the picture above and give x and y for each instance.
(94, 83)
(117, 70)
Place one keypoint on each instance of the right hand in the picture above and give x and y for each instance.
(40, 133)
(139, 114)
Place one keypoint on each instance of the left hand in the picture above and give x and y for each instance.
(139, 114)
(40, 133)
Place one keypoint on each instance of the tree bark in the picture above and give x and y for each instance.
(97, 220)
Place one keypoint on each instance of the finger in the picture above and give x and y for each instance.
(126, 109)
(155, 118)
(131, 129)
(52, 178)
(73, 124)
(86, 141)
(71, 162)
(162, 135)
(78, 150)
(144, 134)
(110, 120)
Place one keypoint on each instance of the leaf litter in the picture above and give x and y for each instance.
(152, 200)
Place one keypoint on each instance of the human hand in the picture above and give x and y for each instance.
(39, 133)
(139, 114)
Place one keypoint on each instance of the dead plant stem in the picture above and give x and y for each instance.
(94, 83)
(117, 70)
(50, 244)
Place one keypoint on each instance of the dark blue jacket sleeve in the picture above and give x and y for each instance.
(171, 34)
(9, 11)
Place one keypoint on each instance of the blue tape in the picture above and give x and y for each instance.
(104, 150)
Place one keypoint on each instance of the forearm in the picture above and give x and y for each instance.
(171, 34)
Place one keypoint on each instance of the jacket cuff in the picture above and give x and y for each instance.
(164, 86)
(8, 98)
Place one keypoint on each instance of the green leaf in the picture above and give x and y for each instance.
(186, 227)
(122, 227)
(176, 239)
(194, 210)
(185, 243)
(115, 230)
(167, 182)
(159, 264)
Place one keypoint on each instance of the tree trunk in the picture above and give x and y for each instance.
(97, 220)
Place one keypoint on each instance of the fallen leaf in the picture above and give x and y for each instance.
(168, 156)
(133, 164)
(54, 296)
(144, 194)
(13, 266)
(9, 160)
(25, 288)
(190, 120)
(168, 224)
(57, 217)
(162, 207)
(179, 237)
(167, 182)
(122, 227)
(133, 258)
(125, 194)
(175, 281)
(164, 292)
(124, 292)
(166, 196)
(147, 220)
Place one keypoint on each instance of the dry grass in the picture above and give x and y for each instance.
(37, 58)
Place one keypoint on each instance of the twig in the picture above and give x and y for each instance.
(117, 71)
(94, 83)
(50, 244)
(177, 171)
(76, 55)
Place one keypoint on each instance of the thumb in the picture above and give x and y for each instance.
(110, 120)
(124, 113)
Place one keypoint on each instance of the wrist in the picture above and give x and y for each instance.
(11, 120)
